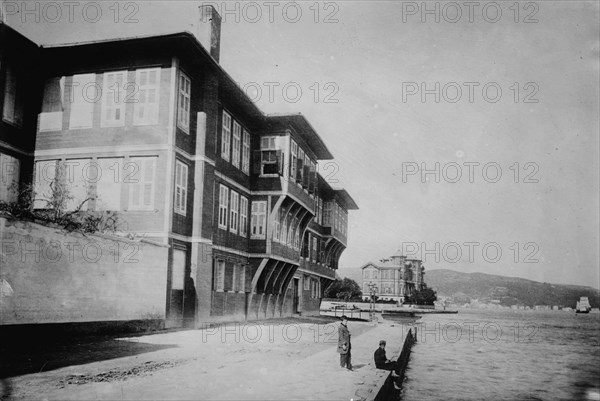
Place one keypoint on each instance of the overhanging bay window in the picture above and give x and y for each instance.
(271, 155)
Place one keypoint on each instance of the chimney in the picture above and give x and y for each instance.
(209, 30)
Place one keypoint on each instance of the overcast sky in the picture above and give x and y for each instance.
(537, 199)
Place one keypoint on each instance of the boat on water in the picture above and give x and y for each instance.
(583, 305)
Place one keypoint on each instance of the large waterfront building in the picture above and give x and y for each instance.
(154, 129)
(393, 278)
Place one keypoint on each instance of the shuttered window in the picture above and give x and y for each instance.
(147, 94)
(113, 99)
(183, 102)
(223, 202)
(139, 174)
(181, 187)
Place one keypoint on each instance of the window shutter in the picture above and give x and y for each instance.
(299, 170)
(312, 182)
(305, 176)
(279, 158)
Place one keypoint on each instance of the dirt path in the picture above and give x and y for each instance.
(240, 361)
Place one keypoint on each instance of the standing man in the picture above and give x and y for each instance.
(344, 345)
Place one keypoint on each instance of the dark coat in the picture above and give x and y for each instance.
(380, 358)
(343, 339)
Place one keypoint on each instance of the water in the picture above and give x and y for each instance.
(505, 355)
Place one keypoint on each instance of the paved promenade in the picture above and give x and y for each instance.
(289, 359)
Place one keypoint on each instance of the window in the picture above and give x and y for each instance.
(300, 165)
(9, 178)
(243, 215)
(327, 214)
(306, 280)
(14, 99)
(259, 212)
(271, 156)
(139, 174)
(78, 183)
(108, 184)
(276, 225)
(237, 134)
(226, 136)
(234, 208)
(284, 230)
(181, 185)
(293, 161)
(145, 108)
(239, 278)
(296, 234)
(183, 102)
(82, 95)
(223, 199)
(306, 172)
(113, 96)
(219, 284)
(314, 249)
(46, 172)
(51, 116)
(246, 153)
(320, 211)
(312, 179)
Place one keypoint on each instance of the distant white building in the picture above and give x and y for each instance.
(393, 278)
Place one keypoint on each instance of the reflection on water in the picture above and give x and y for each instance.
(505, 355)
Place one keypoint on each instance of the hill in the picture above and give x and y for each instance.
(464, 287)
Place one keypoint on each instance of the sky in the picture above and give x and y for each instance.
(468, 137)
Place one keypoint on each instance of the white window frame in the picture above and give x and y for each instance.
(142, 180)
(236, 144)
(258, 218)
(181, 187)
(10, 168)
(184, 95)
(82, 109)
(219, 275)
(243, 216)
(223, 206)
(234, 206)
(246, 153)
(293, 159)
(113, 96)
(226, 136)
(149, 109)
(109, 182)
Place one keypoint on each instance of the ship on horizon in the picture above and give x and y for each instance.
(583, 305)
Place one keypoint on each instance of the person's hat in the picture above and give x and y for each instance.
(382, 342)
(344, 317)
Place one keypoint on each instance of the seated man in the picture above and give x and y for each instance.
(381, 361)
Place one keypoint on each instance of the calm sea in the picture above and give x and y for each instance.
(505, 355)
